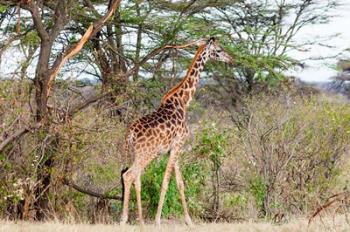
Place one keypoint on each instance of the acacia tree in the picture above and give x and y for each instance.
(263, 33)
(48, 22)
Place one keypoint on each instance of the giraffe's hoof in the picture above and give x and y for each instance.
(188, 221)
(122, 222)
(157, 222)
(142, 226)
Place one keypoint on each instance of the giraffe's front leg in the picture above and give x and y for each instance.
(165, 184)
(181, 188)
(138, 197)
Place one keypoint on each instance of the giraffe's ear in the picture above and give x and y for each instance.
(212, 40)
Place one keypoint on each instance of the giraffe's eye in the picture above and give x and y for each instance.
(219, 50)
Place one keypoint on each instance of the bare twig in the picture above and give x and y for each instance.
(343, 198)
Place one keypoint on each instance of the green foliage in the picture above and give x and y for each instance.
(103, 174)
(236, 200)
(257, 188)
(3, 8)
(193, 175)
(212, 144)
(31, 39)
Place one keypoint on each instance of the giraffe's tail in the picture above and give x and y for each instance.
(122, 180)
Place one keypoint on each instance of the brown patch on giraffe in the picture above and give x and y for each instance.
(148, 133)
(179, 116)
(169, 106)
(190, 82)
(153, 123)
(177, 102)
(139, 134)
(139, 126)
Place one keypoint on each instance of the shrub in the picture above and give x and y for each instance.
(289, 152)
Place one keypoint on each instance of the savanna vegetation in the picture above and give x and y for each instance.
(261, 146)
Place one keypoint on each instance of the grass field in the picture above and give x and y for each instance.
(339, 223)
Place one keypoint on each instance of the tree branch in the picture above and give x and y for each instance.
(90, 192)
(34, 10)
(85, 104)
(74, 49)
(60, 19)
(19, 133)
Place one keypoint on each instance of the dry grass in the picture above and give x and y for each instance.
(339, 223)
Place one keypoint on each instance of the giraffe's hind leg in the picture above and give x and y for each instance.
(128, 178)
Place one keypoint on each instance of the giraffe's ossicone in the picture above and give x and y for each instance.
(165, 130)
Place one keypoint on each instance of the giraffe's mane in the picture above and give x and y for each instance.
(175, 88)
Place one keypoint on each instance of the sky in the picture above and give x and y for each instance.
(323, 70)
(315, 70)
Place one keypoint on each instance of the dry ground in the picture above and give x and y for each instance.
(339, 223)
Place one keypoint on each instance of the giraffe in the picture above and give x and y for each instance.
(165, 130)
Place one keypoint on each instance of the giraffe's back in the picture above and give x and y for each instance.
(155, 133)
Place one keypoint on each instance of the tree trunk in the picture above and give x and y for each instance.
(43, 175)
(42, 191)
(41, 81)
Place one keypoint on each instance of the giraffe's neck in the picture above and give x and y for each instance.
(186, 88)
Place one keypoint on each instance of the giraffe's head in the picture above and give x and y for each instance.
(216, 52)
